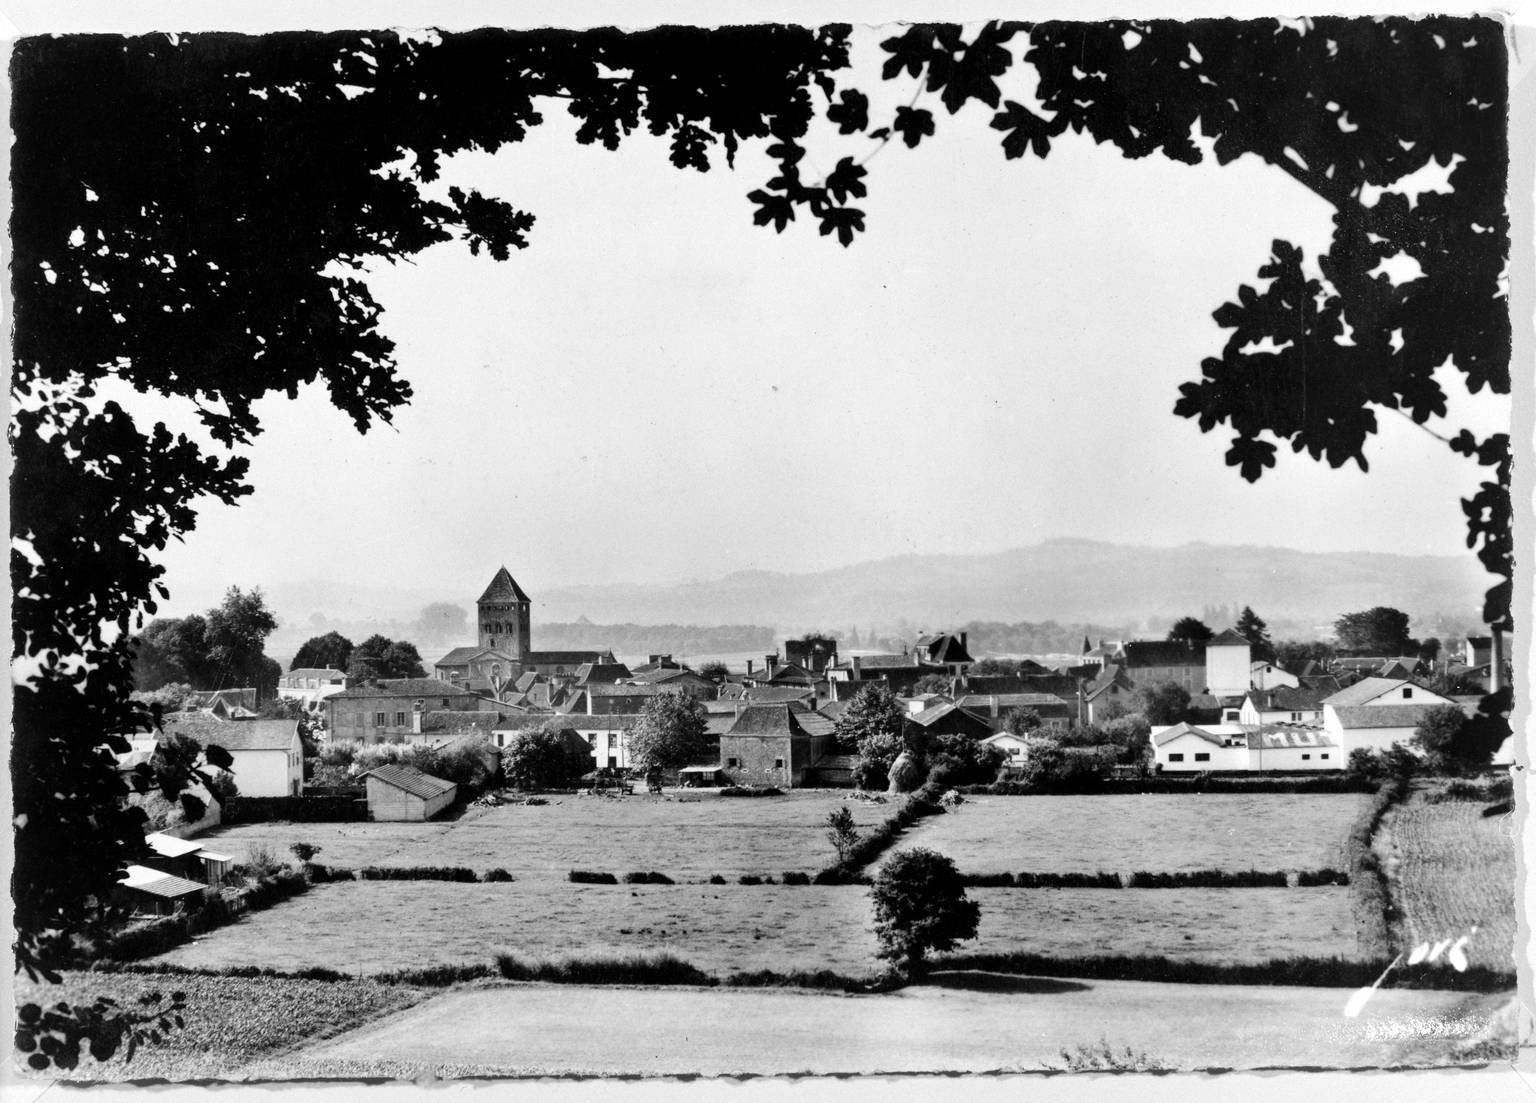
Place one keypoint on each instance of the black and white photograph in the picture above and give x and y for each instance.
(808, 550)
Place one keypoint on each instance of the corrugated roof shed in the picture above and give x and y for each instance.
(156, 883)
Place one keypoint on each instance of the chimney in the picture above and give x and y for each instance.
(965, 641)
(858, 669)
(771, 663)
(749, 666)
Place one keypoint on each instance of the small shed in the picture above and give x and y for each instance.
(403, 793)
(178, 857)
(157, 892)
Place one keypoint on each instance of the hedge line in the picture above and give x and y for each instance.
(159, 935)
(297, 810)
(1302, 971)
(1330, 783)
(751, 791)
(417, 873)
(1141, 879)
(1376, 914)
(588, 877)
(923, 802)
(651, 878)
(633, 969)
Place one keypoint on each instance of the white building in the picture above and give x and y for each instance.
(1014, 747)
(1262, 675)
(1228, 665)
(311, 685)
(1190, 748)
(1376, 713)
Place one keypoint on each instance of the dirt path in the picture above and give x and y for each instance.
(969, 1023)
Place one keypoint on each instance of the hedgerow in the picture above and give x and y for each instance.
(417, 873)
(651, 878)
(588, 877)
(631, 969)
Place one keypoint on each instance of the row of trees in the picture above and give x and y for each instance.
(222, 648)
(376, 657)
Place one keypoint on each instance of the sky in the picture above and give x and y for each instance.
(658, 390)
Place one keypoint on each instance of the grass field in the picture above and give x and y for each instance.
(1210, 925)
(371, 927)
(379, 926)
(1156, 832)
(689, 837)
(230, 1021)
(1453, 869)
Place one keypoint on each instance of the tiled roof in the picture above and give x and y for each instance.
(766, 695)
(503, 589)
(928, 717)
(1383, 716)
(1140, 653)
(462, 656)
(945, 648)
(401, 687)
(601, 672)
(1322, 683)
(1229, 637)
(878, 662)
(976, 701)
(599, 689)
(412, 780)
(814, 723)
(156, 883)
(445, 721)
(785, 672)
(315, 672)
(832, 710)
(664, 674)
(1288, 698)
(1367, 689)
(616, 721)
(766, 720)
(237, 735)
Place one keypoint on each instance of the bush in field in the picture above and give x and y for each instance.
(261, 862)
(305, 852)
(920, 905)
(587, 877)
(497, 874)
(841, 832)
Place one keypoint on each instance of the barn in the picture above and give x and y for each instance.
(403, 793)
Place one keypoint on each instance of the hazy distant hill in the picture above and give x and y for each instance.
(1058, 579)
(1064, 580)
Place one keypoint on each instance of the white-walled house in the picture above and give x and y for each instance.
(1285, 705)
(1376, 713)
(1191, 748)
(1228, 665)
(268, 757)
(1014, 747)
(311, 684)
(1262, 675)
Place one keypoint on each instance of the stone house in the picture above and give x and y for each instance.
(388, 710)
(771, 745)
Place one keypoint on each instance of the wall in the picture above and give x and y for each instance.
(1192, 678)
(1270, 676)
(1222, 758)
(263, 773)
(352, 718)
(387, 804)
(756, 756)
(1297, 758)
(1227, 669)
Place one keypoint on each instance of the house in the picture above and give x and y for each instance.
(186, 858)
(309, 685)
(922, 701)
(1228, 662)
(950, 719)
(1267, 675)
(383, 710)
(1015, 748)
(776, 673)
(1193, 748)
(1286, 704)
(398, 793)
(608, 700)
(153, 891)
(223, 704)
(946, 649)
(268, 756)
(770, 745)
(1376, 713)
(602, 672)
(1054, 712)
(482, 669)
(813, 653)
(1109, 692)
(1152, 662)
(678, 678)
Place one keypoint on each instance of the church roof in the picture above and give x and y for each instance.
(503, 588)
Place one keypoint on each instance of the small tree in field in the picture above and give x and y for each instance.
(920, 905)
(841, 833)
(539, 759)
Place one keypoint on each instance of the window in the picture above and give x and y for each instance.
(1407, 691)
(1323, 757)
(399, 719)
(1305, 757)
(501, 740)
(1203, 757)
(1175, 758)
(732, 762)
(613, 740)
(1295, 716)
(592, 740)
(419, 706)
(778, 764)
(445, 702)
(378, 719)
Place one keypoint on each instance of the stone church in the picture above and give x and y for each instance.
(504, 653)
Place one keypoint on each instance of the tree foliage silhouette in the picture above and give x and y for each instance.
(192, 217)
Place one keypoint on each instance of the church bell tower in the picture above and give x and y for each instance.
(505, 616)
